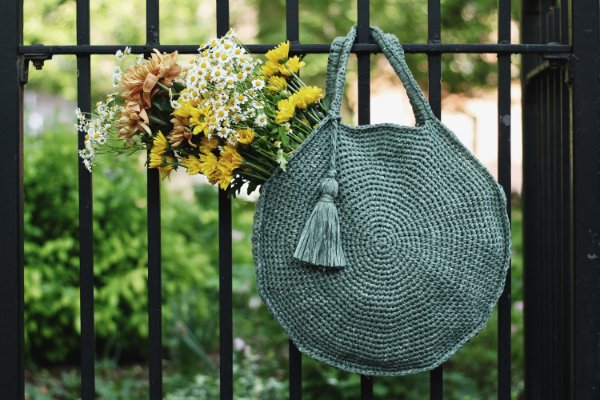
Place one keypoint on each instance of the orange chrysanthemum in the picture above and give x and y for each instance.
(140, 84)
(141, 80)
(133, 120)
(180, 132)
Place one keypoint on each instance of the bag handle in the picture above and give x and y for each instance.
(320, 242)
(332, 64)
(392, 49)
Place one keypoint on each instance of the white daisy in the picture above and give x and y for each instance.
(261, 120)
(258, 84)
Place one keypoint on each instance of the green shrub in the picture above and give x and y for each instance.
(120, 254)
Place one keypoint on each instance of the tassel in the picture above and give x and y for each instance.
(321, 241)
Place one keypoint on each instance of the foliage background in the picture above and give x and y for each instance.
(190, 257)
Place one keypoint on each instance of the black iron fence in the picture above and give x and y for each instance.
(562, 187)
(561, 201)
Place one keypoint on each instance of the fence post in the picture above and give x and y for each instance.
(586, 198)
(11, 203)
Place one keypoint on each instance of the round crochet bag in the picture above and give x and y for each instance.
(382, 248)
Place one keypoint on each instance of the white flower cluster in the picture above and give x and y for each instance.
(98, 125)
(122, 54)
(96, 128)
(117, 75)
(225, 84)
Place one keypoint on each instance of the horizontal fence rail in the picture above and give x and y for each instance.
(423, 48)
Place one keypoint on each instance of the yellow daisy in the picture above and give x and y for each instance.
(279, 53)
(209, 144)
(167, 168)
(307, 95)
(209, 165)
(294, 64)
(159, 144)
(270, 68)
(277, 83)
(285, 110)
(191, 164)
(245, 136)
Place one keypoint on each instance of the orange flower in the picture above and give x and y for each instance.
(140, 84)
(180, 132)
(140, 80)
(133, 120)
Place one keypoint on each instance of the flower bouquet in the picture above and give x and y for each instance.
(226, 115)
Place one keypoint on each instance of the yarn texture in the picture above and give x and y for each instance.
(423, 228)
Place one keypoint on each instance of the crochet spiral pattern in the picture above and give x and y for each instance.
(423, 227)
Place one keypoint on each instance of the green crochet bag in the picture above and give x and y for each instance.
(382, 249)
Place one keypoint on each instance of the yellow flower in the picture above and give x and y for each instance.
(191, 164)
(209, 144)
(230, 157)
(159, 144)
(230, 160)
(245, 136)
(279, 53)
(307, 96)
(166, 169)
(198, 116)
(293, 64)
(163, 163)
(208, 163)
(277, 83)
(156, 160)
(285, 110)
(224, 180)
(270, 68)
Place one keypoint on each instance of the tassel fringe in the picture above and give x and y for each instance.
(321, 242)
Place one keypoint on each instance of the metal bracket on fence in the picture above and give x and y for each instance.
(37, 59)
(556, 60)
(550, 61)
(559, 61)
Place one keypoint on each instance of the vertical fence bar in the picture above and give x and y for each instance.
(566, 276)
(543, 214)
(555, 209)
(295, 366)
(364, 117)
(561, 371)
(86, 257)
(225, 297)
(434, 61)
(550, 184)
(545, 248)
(154, 286)
(552, 267)
(225, 261)
(154, 244)
(586, 197)
(11, 203)
(530, 193)
(292, 28)
(504, 178)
